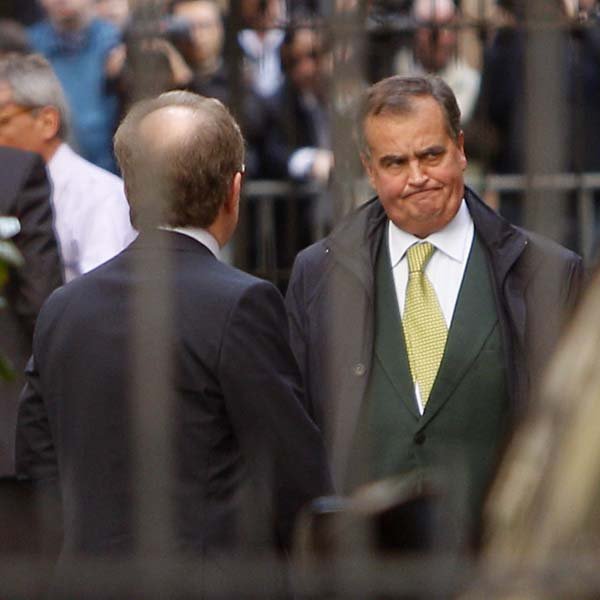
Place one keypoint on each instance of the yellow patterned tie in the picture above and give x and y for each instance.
(425, 329)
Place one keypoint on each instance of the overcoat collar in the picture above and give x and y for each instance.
(355, 241)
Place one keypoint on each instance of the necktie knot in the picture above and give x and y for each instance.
(418, 255)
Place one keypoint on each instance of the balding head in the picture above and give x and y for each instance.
(178, 154)
(166, 127)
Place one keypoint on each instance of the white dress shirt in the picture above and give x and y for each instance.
(445, 269)
(262, 56)
(91, 214)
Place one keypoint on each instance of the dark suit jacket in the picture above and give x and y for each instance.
(238, 414)
(291, 126)
(24, 193)
(330, 303)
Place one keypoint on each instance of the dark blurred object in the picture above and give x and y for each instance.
(389, 28)
(399, 519)
(30, 519)
(31, 526)
(150, 61)
(390, 8)
(175, 30)
(24, 194)
(24, 11)
(19, 519)
(393, 516)
(13, 38)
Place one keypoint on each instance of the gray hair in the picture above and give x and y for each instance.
(34, 84)
(396, 94)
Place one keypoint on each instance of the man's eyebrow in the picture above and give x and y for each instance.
(389, 159)
(435, 150)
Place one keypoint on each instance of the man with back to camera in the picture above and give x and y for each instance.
(91, 213)
(237, 389)
(427, 370)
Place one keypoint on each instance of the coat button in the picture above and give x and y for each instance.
(419, 438)
(359, 369)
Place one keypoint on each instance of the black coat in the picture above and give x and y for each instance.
(25, 194)
(238, 414)
(330, 302)
(292, 126)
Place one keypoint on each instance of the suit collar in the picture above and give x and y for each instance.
(156, 239)
(200, 235)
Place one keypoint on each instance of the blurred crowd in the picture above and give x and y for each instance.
(272, 63)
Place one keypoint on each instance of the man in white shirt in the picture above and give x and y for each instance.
(422, 321)
(260, 41)
(90, 210)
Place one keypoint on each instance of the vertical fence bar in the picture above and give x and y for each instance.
(545, 115)
(345, 23)
(152, 419)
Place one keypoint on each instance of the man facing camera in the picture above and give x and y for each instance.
(423, 320)
(238, 414)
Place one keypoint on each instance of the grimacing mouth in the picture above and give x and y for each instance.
(423, 191)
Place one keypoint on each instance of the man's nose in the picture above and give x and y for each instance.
(416, 176)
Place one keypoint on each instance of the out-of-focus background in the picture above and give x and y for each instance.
(526, 74)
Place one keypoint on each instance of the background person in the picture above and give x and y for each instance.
(210, 76)
(78, 45)
(91, 212)
(24, 194)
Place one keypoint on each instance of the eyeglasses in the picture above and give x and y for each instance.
(8, 118)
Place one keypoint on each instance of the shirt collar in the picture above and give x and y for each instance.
(60, 166)
(200, 235)
(453, 240)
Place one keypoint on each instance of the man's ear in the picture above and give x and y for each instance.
(232, 204)
(460, 143)
(48, 119)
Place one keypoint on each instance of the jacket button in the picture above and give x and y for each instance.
(419, 438)
(359, 369)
